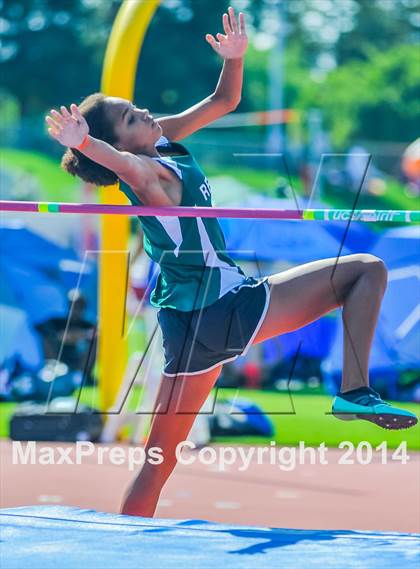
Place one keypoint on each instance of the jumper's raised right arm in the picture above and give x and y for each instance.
(136, 171)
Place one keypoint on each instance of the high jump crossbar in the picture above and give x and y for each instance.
(365, 215)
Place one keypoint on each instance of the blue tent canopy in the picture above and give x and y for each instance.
(19, 342)
(312, 341)
(30, 249)
(35, 277)
(271, 239)
(358, 237)
(37, 274)
(401, 315)
(399, 246)
(38, 295)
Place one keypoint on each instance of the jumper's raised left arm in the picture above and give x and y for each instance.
(227, 93)
(229, 86)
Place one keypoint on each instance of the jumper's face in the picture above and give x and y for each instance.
(135, 128)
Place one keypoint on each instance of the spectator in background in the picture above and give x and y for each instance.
(356, 162)
(71, 340)
(410, 167)
(359, 170)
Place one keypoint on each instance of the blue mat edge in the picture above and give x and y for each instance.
(67, 513)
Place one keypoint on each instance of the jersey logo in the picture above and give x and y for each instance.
(205, 189)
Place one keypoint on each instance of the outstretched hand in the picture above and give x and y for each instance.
(233, 45)
(70, 129)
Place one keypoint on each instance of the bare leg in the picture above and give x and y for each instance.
(179, 400)
(307, 292)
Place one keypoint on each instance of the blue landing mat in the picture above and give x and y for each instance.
(51, 537)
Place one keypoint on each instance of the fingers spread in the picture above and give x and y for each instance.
(212, 41)
(54, 129)
(242, 29)
(226, 25)
(75, 112)
(65, 112)
(57, 117)
(233, 22)
(52, 123)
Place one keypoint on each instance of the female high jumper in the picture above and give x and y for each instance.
(210, 312)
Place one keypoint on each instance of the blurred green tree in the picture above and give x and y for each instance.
(374, 99)
(45, 58)
(51, 53)
(177, 66)
(380, 24)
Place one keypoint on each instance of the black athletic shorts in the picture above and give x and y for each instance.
(199, 340)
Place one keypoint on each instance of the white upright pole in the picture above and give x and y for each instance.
(275, 135)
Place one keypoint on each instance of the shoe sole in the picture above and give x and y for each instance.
(386, 421)
(390, 421)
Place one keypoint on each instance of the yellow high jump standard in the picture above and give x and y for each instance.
(118, 80)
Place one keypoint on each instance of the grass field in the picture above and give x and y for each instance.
(261, 181)
(307, 418)
(55, 184)
(394, 198)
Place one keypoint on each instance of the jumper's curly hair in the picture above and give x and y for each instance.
(93, 108)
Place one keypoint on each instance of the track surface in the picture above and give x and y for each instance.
(380, 497)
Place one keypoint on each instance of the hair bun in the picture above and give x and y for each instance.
(93, 108)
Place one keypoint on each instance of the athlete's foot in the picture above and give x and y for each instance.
(365, 403)
(133, 510)
(133, 506)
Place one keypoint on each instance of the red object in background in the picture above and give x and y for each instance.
(411, 161)
(139, 291)
(252, 373)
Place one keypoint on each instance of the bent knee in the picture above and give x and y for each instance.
(374, 267)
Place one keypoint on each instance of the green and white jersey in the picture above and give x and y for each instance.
(195, 270)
